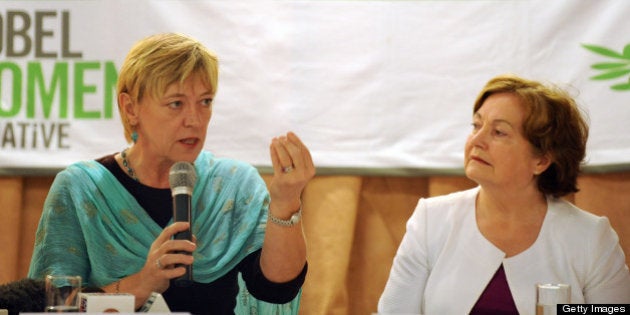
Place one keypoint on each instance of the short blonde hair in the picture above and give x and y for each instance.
(553, 124)
(160, 60)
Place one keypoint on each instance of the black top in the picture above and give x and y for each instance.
(218, 297)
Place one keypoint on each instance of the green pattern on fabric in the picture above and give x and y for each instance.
(93, 227)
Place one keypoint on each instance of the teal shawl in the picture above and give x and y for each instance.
(93, 227)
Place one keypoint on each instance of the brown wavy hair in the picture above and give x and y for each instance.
(554, 125)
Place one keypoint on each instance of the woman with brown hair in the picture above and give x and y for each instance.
(482, 251)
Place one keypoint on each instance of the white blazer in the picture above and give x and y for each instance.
(444, 263)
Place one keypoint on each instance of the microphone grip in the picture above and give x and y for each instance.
(181, 213)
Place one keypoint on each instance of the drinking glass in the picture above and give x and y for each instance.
(549, 295)
(62, 293)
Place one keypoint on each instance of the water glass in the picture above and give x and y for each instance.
(62, 293)
(549, 295)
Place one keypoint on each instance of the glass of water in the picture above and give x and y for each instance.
(549, 295)
(62, 293)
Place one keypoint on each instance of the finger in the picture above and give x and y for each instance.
(170, 271)
(171, 230)
(282, 153)
(164, 243)
(292, 145)
(292, 137)
(305, 154)
(173, 246)
(169, 261)
(301, 155)
(294, 148)
(275, 160)
(159, 263)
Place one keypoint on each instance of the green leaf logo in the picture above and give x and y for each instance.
(617, 67)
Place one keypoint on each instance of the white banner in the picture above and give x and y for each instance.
(366, 84)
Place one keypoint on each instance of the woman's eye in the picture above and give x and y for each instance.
(499, 132)
(175, 104)
(206, 102)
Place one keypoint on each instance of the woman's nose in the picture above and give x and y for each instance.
(192, 116)
(479, 137)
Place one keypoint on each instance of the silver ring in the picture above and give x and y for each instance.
(158, 264)
(287, 169)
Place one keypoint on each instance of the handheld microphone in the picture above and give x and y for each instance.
(182, 178)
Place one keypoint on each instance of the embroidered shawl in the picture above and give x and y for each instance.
(93, 227)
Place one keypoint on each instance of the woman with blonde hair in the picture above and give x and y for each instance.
(110, 220)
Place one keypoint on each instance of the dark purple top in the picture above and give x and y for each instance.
(496, 298)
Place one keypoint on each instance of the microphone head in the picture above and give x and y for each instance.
(182, 174)
(23, 296)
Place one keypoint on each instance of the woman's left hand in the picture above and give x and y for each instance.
(292, 167)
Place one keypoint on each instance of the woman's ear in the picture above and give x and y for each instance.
(128, 107)
(543, 163)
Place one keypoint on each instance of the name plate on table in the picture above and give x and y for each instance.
(106, 303)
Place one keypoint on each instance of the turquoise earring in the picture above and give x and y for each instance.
(134, 136)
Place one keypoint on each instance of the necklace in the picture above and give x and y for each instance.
(123, 154)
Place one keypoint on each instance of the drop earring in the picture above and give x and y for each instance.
(134, 136)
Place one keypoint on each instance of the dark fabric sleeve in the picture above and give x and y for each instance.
(264, 289)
